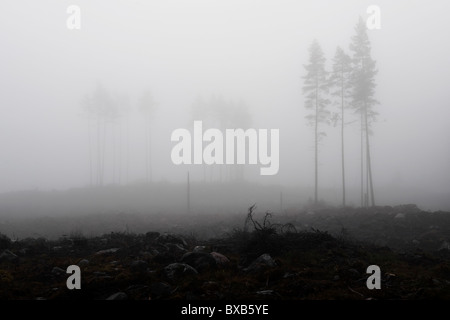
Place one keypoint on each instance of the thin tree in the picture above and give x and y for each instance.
(363, 91)
(315, 89)
(88, 114)
(147, 106)
(340, 81)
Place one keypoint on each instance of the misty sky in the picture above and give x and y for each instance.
(243, 50)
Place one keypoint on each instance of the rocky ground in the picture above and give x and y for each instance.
(321, 254)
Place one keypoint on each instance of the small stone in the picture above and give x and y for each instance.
(83, 263)
(220, 258)
(177, 270)
(199, 249)
(262, 262)
(107, 251)
(266, 292)
(58, 271)
(118, 296)
(199, 260)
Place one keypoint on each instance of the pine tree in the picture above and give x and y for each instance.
(315, 90)
(363, 101)
(147, 106)
(340, 82)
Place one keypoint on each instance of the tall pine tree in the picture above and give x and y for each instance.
(363, 91)
(340, 83)
(315, 90)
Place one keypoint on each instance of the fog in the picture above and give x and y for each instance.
(248, 55)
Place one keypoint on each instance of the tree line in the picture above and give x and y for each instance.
(108, 120)
(349, 84)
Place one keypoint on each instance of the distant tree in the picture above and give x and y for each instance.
(340, 85)
(147, 106)
(363, 101)
(221, 113)
(100, 110)
(121, 134)
(315, 89)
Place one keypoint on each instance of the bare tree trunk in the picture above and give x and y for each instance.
(281, 202)
(362, 160)
(127, 172)
(90, 151)
(114, 152)
(188, 195)
(148, 165)
(342, 140)
(369, 167)
(316, 154)
(102, 170)
(98, 149)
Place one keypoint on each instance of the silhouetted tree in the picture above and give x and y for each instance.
(340, 82)
(147, 106)
(316, 89)
(218, 112)
(363, 91)
(100, 110)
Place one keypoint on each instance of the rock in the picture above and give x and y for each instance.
(199, 249)
(58, 271)
(7, 256)
(201, 261)
(151, 236)
(171, 238)
(264, 261)
(83, 263)
(137, 292)
(118, 296)
(266, 292)
(107, 251)
(139, 266)
(221, 260)
(160, 290)
(176, 270)
(444, 246)
(175, 249)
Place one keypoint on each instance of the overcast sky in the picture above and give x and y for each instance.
(243, 50)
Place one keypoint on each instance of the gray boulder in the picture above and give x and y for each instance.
(175, 271)
(201, 261)
(264, 261)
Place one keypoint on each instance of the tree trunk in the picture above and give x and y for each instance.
(342, 140)
(316, 143)
(90, 151)
(98, 149)
(369, 167)
(362, 159)
(188, 195)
